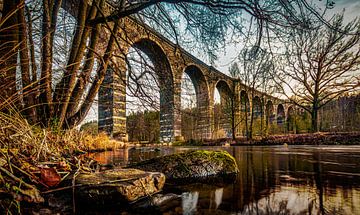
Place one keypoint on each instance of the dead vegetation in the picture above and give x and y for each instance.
(35, 160)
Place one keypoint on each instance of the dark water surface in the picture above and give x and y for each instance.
(272, 180)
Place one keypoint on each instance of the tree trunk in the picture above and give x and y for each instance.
(70, 76)
(251, 123)
(46, 65)
(233, 115)
(31, 46)
(8, 52)
(314, 120)
(262, 131)
(28, 90)
(85, 107)
(84, 78)
(246, 120)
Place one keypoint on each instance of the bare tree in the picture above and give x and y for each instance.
(64, 101)
(321, 64)
(255, 71)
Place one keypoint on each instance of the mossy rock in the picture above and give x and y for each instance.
(192, 165)
(118, 185)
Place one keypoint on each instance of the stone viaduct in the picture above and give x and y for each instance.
(170, 62)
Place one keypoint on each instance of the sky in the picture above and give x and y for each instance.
(351, 8)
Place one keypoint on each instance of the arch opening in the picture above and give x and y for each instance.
(141, 85)
(290, 120)
(223, 111)
(280, 114)
(195, 98)
(156, 84)
(257, 107)
(257, 113)
(269, 112)
(245, 112)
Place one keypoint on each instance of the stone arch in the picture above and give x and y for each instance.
(164, 75)
(280, 114)
(244, 102)
(222, 112)
(202, 100)
(269, 112)
(257, 107)
(200, 84)
(224, 90)
(112, 96)
(244, 112)
(290, 119)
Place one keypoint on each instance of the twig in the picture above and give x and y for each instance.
(41, 146)
(31, 177)
(73, 184)
(16, 178)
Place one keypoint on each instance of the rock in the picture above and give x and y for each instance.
(191, 164)
(157, 200)
(117, 186)
(157, 204)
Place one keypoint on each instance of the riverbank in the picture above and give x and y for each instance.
(320, 138)
(35, 161)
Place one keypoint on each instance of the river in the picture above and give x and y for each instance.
(272, 180)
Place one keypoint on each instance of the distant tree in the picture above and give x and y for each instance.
(143, 126)
(321, 64)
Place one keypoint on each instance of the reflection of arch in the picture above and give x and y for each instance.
(269, 112)
(224, 91)
(280, 114)
(257, 107)
(290, 119)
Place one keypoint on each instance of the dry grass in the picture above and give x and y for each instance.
(42, 144)
(25, 150)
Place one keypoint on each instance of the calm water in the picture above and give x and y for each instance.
(272, 180)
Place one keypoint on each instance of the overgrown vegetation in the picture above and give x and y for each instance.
(33, 159)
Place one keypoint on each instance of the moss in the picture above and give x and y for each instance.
(224, 157)
(192, 164)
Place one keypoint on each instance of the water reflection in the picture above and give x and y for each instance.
(189, 202)
(272, 180)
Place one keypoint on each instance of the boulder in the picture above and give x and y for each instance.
(191, 165)
(117, 186)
